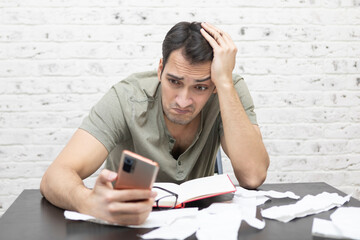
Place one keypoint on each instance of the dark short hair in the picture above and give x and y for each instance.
(187, 36)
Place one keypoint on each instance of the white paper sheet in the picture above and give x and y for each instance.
(308, 205)
(155, 219)
(256, 200)
(242, 192)
(348, 221)
(325, 228)
(181, 228)
(71, 215)
(219, 221)
(345, 223)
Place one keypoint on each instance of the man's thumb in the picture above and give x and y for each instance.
(107, 176)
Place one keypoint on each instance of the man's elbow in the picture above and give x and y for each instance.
(252, 182)
(43, 184)
(252, 179)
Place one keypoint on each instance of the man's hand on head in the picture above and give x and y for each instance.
(224, 54)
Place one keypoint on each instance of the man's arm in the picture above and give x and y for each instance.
(62, 184)
(242, 140)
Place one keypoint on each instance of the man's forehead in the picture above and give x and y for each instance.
(179, 66)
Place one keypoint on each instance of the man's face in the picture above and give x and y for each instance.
(185, 88)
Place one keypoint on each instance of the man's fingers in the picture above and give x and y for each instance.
(213, 30)
(211, 27)
(132, 195)
(106, 176)
(223, 34)
(214, 33)
(130, 213)
(209, 38)
(130, 219)
(131, 207)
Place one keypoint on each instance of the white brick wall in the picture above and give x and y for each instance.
(300, 60)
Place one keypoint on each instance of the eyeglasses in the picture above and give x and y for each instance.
(167, 200)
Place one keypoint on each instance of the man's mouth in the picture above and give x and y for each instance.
(181, 111)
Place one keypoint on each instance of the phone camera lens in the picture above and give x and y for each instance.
(128, 164)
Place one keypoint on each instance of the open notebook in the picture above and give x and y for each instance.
(193, 190)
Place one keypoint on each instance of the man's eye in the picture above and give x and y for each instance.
(201, 88)
(174, 82)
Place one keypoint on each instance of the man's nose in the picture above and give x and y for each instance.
(183, 99)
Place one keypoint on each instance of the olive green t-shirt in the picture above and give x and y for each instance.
(130, 116)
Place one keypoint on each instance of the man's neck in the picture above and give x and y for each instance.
(183, 134)
(178, 130)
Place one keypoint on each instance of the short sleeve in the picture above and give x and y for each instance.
(246, 100)
(106, 120)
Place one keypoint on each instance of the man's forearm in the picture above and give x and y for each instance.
(63, 188)
(241, 142)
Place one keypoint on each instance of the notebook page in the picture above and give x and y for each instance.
(201, 187)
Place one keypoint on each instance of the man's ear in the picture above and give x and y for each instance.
(160, 69)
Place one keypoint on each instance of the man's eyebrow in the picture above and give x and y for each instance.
(173, 76)
(181, 78)
(203, 80)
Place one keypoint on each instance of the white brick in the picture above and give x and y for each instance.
(297, 163)
(308, 115)
(350, 3)
(342, 131)
(286, 99)
(73, 68)
(68, 119)
(297, 49)
(354, 145)
(39, 136)
(330, 177)
(276, 66)
(304, 82)
(27, 50)
(50, 102)
(343, 162)
(141, 15)
(307, 147)
(292, 131)
(342, 99)
(288, 115)
(60, 3)
(341, 82)
(304, 16)
(30, 153)
(68, 85)
(342, 65)
(16, 68)
(341, 33)
(24, 170)
(69, 33)
(315, 163)
(298, 4)
(16, 186)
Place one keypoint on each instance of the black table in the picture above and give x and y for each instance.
(32, 217)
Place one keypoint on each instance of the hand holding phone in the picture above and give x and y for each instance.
(136, 172)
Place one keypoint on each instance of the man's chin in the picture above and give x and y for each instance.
(178, 120)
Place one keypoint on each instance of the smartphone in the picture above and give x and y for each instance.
(136, 172)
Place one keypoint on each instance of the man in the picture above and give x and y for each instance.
(177, 117)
